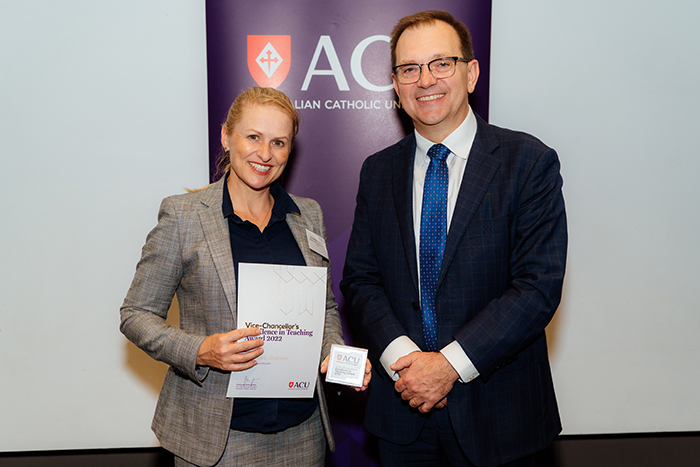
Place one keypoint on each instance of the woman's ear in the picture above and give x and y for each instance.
(224, 138)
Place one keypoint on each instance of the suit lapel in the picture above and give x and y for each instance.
(480, 169)
(216, 233)
(402, 185)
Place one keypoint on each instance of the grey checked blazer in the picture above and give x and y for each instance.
(189, 254)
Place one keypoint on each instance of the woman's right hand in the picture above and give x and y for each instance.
(223, 351)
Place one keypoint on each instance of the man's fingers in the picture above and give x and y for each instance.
(404, 362)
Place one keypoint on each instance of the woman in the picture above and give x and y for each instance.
(194, 252)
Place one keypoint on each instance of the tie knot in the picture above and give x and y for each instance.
(438, 151)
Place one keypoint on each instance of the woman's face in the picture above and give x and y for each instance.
(259, 146)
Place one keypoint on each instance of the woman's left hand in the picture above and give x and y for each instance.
(368, 372)
(368, 376)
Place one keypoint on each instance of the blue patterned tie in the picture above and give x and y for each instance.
(433, 231)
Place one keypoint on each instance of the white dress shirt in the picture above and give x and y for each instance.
(459, 142)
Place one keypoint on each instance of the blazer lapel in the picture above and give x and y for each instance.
(480, 169)
(298, 227)
(402, 185)
(216, 233)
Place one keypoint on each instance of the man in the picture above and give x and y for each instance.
(454, 268)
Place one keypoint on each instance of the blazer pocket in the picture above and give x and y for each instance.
(489, 227)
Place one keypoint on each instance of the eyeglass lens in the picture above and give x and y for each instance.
(440, 68)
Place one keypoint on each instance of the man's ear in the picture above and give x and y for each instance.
(472, 75)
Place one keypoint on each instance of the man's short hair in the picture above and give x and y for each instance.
(430, 17)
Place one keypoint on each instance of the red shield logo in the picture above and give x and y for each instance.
(269, 58)
(291, 383)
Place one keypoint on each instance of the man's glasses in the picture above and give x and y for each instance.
(440, 68)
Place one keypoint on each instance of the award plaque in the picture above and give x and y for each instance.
(346, 365)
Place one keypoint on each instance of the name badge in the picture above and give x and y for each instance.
(316, 243)
(346, 365)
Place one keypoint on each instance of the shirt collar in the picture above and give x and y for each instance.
(284, 203)
(459, 141)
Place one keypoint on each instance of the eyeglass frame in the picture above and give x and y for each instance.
(428, 64)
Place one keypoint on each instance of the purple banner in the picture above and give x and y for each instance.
(332, 59)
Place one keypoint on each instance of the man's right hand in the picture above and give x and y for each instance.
(425, 379)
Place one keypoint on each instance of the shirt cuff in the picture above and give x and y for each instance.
(202, 372)
(454, 354)
(399, 347)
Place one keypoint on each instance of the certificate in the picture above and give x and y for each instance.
(288, 304)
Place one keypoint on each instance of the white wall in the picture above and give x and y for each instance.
(103, 113)
(613, 86)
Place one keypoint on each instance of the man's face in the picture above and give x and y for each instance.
(436, 106)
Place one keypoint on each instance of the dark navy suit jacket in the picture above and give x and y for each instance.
(500, 283)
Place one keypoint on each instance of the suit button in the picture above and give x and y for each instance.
(415, 306)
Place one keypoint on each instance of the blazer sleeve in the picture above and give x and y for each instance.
(538, 235)
(146, 305)
(363, 284)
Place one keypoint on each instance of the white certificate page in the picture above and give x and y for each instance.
(288, 304)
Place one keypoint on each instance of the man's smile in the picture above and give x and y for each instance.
(432, 97)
